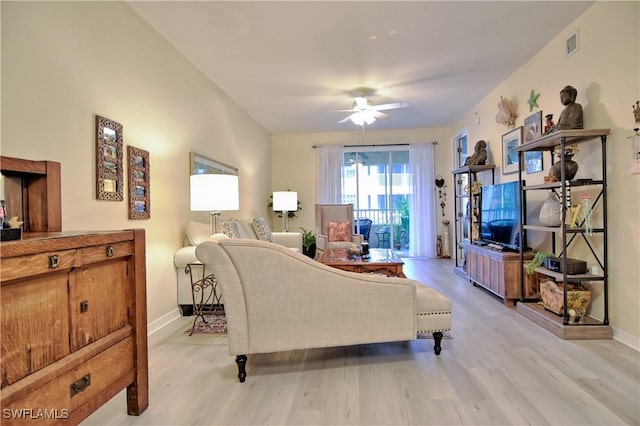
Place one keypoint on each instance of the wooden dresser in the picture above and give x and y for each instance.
(74, 326)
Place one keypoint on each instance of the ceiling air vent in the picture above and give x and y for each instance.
(573, 44)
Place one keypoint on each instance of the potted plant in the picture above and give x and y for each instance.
(308, 243)
(538, 260)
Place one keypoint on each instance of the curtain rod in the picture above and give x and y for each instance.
(371, 146)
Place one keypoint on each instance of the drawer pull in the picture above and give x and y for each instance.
(81, 385)
(84, 306)
(110, 251)
(54, 261)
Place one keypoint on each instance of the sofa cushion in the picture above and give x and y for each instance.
(339, 231)
(262, 230)
(198, 232)
(231, 228)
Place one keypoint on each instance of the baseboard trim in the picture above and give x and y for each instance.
(626, 339)
(163, 321)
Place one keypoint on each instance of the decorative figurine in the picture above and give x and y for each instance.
(571, 116)
(479, 156)
(636, 112)
(548, 123)
(506, 114)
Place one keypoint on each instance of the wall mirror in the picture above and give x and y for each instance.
(199, 164)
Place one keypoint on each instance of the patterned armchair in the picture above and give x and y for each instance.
(334, 227)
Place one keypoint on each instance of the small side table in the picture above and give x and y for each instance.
(383, 236)
(204, 290)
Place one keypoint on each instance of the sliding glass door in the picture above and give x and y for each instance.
(378, 183)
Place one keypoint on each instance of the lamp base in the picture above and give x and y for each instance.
(285, 221)
(216, 223)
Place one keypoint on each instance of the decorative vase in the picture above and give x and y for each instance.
(551, 211)
(570, 168)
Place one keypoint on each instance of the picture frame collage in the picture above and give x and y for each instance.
(109, 169)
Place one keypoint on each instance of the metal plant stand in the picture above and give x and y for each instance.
(204, 290)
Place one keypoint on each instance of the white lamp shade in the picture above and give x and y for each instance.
(285, 201)
(214, 193)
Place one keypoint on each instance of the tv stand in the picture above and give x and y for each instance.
(499, 272)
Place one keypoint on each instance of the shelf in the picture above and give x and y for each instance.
(576, 230)
(577, 277)
(555, 185)
(548, 142)
(592, 329)
(459, 271)
(474, 169)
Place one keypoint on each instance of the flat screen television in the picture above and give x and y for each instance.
(500, 215)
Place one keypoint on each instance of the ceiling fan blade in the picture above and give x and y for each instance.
(344, 120)
(395, 105)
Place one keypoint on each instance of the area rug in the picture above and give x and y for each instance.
(217, 324)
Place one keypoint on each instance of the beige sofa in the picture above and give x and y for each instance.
(280, 300)
(196, 233)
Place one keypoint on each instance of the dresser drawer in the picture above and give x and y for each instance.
(101, 253)
(75, 392)
(36, 264)
(99, 294)
(35, 325)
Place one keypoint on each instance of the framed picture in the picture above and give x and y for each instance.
(532, 127)
(533, 161)
(199, 165)
(510, 141)
(109, 185)
(139, 189)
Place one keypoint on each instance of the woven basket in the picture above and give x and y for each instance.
(578, 298)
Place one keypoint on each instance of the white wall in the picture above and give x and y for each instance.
(300, 174)
(64, 62)
(606, 73)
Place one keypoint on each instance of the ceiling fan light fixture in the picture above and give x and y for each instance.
(361, 103)
(362, 117)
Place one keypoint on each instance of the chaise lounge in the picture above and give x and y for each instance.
(280, 300)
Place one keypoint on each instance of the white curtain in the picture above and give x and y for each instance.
(422, 207)
(329, 161)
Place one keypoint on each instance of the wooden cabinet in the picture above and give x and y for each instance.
(73, 318)
(499, 272)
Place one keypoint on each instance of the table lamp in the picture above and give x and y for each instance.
(214, 193)
(285, 201)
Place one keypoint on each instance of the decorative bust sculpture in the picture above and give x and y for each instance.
(479, 156)
(571, 116)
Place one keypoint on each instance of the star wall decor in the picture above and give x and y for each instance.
(533, 100)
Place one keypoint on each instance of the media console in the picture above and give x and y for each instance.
(499, 272)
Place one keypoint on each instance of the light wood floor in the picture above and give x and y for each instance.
(499, 369)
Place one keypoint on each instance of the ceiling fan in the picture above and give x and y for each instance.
(364, 111)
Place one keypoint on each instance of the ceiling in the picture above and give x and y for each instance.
(292, 64)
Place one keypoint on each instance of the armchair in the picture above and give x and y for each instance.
(337, 213)
(280, 300)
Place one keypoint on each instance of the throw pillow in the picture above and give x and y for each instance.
(261, 227)
(339, 231)
(231, 228)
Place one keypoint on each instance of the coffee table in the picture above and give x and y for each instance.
(379, 261)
